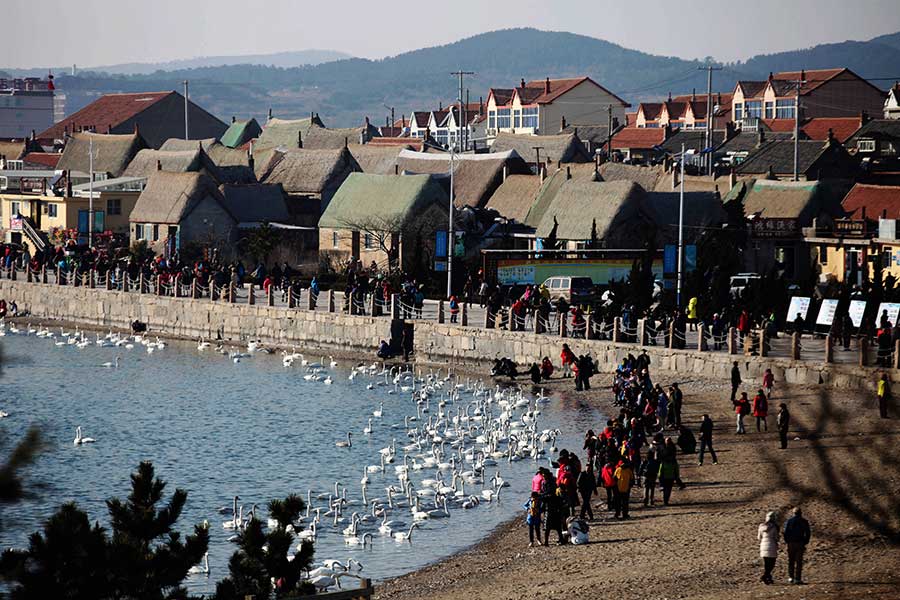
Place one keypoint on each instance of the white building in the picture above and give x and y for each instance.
(26, 105)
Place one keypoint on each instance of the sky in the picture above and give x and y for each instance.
(103, 32)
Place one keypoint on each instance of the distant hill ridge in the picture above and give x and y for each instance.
(345, 91)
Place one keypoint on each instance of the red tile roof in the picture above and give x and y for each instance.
(501, 96)
(841, 127)
(876, 199)
(48, 159)
(813, 78)
(109, 110)
(780, 125)
(651, 110)
(676, 110)
(558, 87)
(413, 143)
(630, 118)
(639, 137)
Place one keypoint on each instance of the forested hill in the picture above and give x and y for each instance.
(345, 91)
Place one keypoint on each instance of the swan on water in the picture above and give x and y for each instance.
(345, 444)
(110, 365)
(365, 539)
(405, 536)
(80, 439)
(201, 570)
(368, 429)
(380, 411)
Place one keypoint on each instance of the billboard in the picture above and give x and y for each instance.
(601, 270)
(826, 312)
(857, 310)
(891, 308)
(799, 304)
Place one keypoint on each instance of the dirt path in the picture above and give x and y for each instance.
(844, 470)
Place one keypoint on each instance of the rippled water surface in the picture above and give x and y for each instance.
(218, 429)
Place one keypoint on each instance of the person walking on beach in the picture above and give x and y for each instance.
(587, 487)
(706, 439)
(884, 395)
(735, 380)
(767, 536)
(676, 401)
(624, 482)
(741, 409)
(533, 514)
(796, 535)
(668, 475)
(768, 382)
(608, 478)
(555, 513)
(761, 410)
(783, 420)
(650, 471)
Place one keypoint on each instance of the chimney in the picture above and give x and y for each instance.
(137, 130)
(33, 135)
(547, 86)
(562, 123)
(367, 122)
(760, 136)
(863, 213)
(109, 129)
(159, 165)
(693, 94)
(732, 179)
(770, 76)
(251, 162)
(480, 105)
(396, 169)
(346, 142)
(568, 173)
(505, 168)
(522, 84)
(269, 118)
(670, 97)
(803, 75)
(675, 178)
(233, 119)
(311, 115)
(440, 105)
(299, 139)
(830, 136)
(863, 118)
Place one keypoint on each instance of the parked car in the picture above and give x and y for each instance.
(741, 281)
(575, 290)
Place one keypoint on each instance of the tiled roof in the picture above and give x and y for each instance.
(501, 95)
(635, 137)
(651, 110)
(421, 117)
(693, 139)
(630, 118)
(596, 134)
(46, 159)
(779, 156)
(558, 87)
(881, 129)
(107, 110)
(676, 110)
(877, 200)
(752, 89)
(841, 127)
(814, 78)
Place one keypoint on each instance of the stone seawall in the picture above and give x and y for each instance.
(192, 319)
(465, 345)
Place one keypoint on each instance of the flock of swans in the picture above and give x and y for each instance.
(449, 438)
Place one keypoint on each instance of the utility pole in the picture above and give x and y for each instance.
(709, 116)
(451, 242)
(537, 153)
(799, 83)
(90, 192)
(186, 130)
(609, 133)
(680, 231)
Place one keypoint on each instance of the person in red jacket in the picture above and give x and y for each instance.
(608, 479)
(567, 357)
(761, 410)
(768, 383)
(744, 324)
(741, 409)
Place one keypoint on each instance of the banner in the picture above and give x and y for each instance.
(799, 304)
(892, 309)
(826, 312)
(857, 310)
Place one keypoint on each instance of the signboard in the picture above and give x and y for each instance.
(774, 228)
(799, 304)
(690, 258)
(846, 227)
(15, 223)
(857, 310)
(670, 259)
(440, 244)
(601, 271)
(826, 312)
(892, 309)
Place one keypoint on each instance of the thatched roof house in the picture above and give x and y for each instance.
(147, 161)
(112, 153)
(566, 147)
(515, 196)
(286, 134)
(256, 203)
(372, 158)
(240, 132)
(170, 197)
(312, 172)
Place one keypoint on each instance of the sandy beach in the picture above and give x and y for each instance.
(841, 466)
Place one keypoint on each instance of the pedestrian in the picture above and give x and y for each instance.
(768, 382)
(546, 368)
(539, 481)
(676, 398)
(406, 344)
(668, 475)
(761, 410)
(624, 482)
(454, 309)
(735, 380)
(741, 409)
(567, 357)
(587, 487)
(608, 478)
(796, 536)
(649, 471)
(767, 536)
(706, 440)
(555, 513)
(884, 395)
(533, 513)
(783, 420)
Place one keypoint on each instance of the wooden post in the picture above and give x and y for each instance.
(897, 354)
(589, 325)
(441, 311)
(732, 341)
(538, 328)
(642, 331)
(194, 288)
(311, 299)
(232, 293)
(270, 299)
(373, 305)
(464, 317)
(672, 335)
(331, 304)
(863, 351)
(795, 346)
(109, 279)
(12, 269)
(829, 349)
(290, 296)
(763, 346)
(702, 346)
(617, 330)
(395, 306)
(488, 318)
(44, 274)
(159, 287)
(563, 331)
(92, 278)
(347, 305)
(510, 320)
(251, 295)
(141, 282)
(212, 290)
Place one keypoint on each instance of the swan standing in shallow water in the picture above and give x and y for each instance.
(347, 444)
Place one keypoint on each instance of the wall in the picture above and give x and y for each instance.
(192, 319)
(585, 104)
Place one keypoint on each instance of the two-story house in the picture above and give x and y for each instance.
(684, 112)
(538, 107)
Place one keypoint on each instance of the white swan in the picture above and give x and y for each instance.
(380, 411)
(201, 345)
(236, 522)
(405, 536)
(345, 444)
(328, 380)
(111, 365)
(368, 428)
(333, 362)
(198, 570)
(80, 439)
(365, 539)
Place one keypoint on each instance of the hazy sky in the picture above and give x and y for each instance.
(98, 32)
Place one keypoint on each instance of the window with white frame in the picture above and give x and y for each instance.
(517, 118)
(502, 118)
(784, 109)
(492, 119)
(138, 231)
(738, 111)
(865, 145)
(770, 110)
(754, 109)
(530, 117)
(368, 242)
(52, 209)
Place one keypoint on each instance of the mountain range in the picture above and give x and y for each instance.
(346, 90)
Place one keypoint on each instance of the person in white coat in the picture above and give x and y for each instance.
(767, 535)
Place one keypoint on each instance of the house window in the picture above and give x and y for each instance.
(114, 206)
(368, 244)
(52, 209)
(823, 254)
(138, 231)
(652, 125)
(738, 111)
(13, 209)
(770, 110)
(865, 145)
(492, 119)
(754, 109)
(517, 118)
(530, 117)
(155, 233)
(784, 109)
(334, 239)
(503, 118)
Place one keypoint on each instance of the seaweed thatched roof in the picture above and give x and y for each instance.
(393, 199)
(615, 208)
(566, 147)
(312, 171)
(169, 197)
(515, 196)
(177, 161)
(112, 152)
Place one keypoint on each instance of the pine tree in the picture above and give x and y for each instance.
(262, 557)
